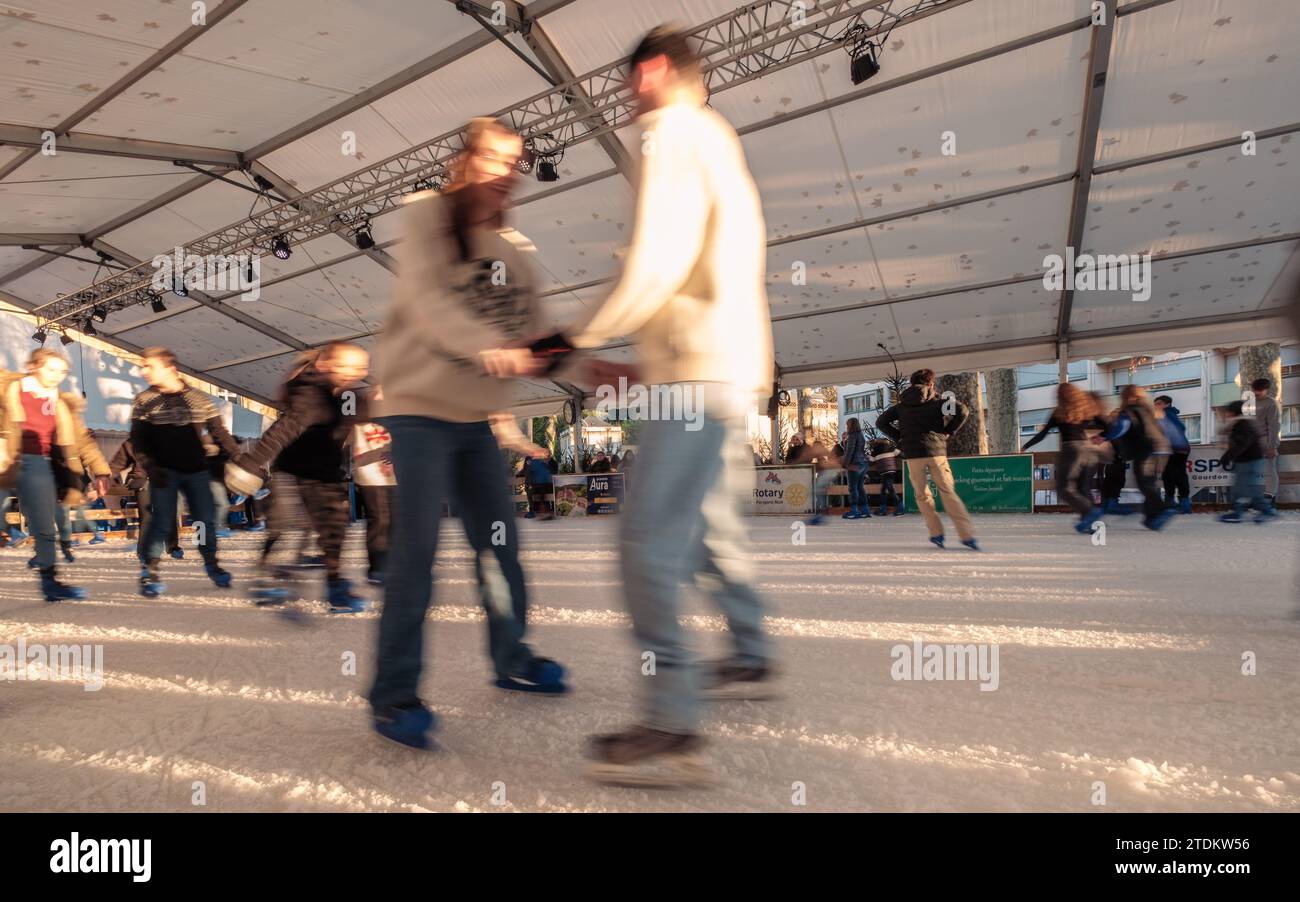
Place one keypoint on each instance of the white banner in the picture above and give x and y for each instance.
(1204, 470)
(783, 490)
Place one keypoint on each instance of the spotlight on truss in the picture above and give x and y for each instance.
(546, 171)
(178, 287)
(280, 248)
(364, 238)
(156, 302)
(527, 159)
(100, 313)
(66, 339)
(88, 327)
(40, 335)
(864, 62)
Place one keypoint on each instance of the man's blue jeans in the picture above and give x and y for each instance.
(683, 520)
(38, 498)
(436, 461)
(197, 488)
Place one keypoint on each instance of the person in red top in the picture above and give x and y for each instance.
(44, 450)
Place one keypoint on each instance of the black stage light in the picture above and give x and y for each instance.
(365, 240)
(280, 248)
(156, 303)
(39, 336)
(546, 171)
(88, 328)
(100, 313)
(66, 339)
(178, 287)
(864, 65)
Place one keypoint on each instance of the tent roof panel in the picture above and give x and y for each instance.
(202, 337)
(836, 270)
(335, 44)
(51, 71)
(894, 141)
(489, 79)
(577, 232)
(1209, 285)
(1196, 202)
(1197, 71)
(193, 101)
(972, 243)
(1005, 313)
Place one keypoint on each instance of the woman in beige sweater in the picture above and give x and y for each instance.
(464, 288)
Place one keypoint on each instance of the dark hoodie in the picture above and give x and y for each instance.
(307, 440)
(918, 425)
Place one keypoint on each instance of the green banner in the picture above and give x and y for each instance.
(995, 484)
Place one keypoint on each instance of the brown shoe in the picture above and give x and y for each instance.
(727, 680)
(641, 756)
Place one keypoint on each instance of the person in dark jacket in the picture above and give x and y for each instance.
(128, 470)
(883, 459)
(304, 453)
(854, 462)
(600, 464)
(1078, 418)
(539, 483)
(1246, 455)
(175, 431)
(1138, 438)
(920, 424)
(1178, 488)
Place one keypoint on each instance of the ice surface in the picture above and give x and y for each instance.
(1119, 663)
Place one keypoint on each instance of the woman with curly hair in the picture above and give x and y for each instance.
(1077, 413)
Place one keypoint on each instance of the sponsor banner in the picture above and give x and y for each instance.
(571, 496)
(604, 493)
(1204, 470)
(1001, 483)
(783, 490)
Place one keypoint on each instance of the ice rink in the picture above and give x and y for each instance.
(1119, 663)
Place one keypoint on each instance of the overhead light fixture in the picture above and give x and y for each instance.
(280, 248)
(527, 159)
(547, 151)
(40, 335)
(156, 302)
(364, 238)
(66, 339)
(100, 313)
(178, 287)
(863, 61)
(88, 327)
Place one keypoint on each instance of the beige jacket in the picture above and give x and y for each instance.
(446, 311)
(691, 293)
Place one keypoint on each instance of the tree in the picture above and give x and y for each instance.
(969, 439)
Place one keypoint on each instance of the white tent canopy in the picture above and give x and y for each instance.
(937, 257)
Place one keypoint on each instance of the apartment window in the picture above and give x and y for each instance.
(1048, 374)
(872, 400)
(1193, 426)
(1291, 421)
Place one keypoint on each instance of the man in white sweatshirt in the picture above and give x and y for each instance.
(691, 297)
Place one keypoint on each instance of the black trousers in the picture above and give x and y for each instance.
(378, 502)
(1112, 480)
(299, 504)
(1148, 476)
(1175, 478)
